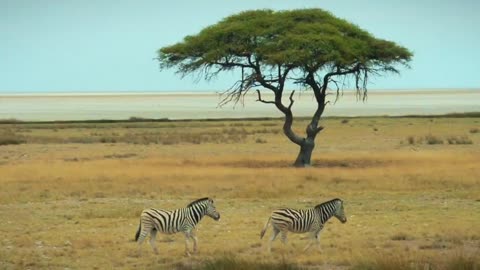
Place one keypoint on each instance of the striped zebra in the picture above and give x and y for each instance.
(302, 221)
(173, 221)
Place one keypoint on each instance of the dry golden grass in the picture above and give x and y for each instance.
(76, 205)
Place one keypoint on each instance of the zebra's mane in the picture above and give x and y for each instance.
(324, 203)
(197, 201)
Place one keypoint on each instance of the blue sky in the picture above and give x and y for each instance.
(103, 45)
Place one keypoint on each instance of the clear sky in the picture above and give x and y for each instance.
(109, 45)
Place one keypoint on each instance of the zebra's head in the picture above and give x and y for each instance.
(339, 211)
(211, 211)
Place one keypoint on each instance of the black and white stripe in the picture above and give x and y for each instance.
(304, 220)
(173, 221)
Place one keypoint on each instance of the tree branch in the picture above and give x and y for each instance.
(291, 100)
(263, 101)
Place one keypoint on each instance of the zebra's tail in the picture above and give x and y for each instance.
(138, 231)
(262, 233)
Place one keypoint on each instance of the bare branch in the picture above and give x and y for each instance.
(291, 100)
(263, 101)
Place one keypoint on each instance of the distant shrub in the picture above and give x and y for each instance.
(136, 119)
(474, 130)
(7, 137)
(269, 124)
(432, 139)
(401, 237)
(345, 121)
(428, 139)
(108, 140)
(459, 140)
(411, 140)
(260, 140)
(81, 140)
(9, 121)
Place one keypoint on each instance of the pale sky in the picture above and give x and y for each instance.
(106, 45)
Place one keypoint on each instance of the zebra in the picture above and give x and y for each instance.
(173, 221)
(304, 220)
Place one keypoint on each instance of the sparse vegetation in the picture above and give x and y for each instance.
(432, 139)
(459, 140)
(401, 237)
(7, 136)
(260, 140)
(230, 262)
(413, 262)
(79, 201)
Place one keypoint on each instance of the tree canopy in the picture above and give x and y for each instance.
(307, 40)
(310, 47)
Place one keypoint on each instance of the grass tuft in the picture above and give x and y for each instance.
(401, 237)
(229, 262)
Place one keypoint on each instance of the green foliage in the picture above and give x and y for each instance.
(304, 39)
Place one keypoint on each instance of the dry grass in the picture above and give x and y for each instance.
(77, 205)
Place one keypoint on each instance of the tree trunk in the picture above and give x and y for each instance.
(304, 156)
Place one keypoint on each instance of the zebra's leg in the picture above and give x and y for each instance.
(195, 240)
(143, 234)
(312, 238)
(317, 242)
(153, 234)
(284, 237)
(187, 235)
(276, 231)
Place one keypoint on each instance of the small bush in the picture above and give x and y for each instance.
(345, 121)
(432, 139)
(108, 140)
(260, 140)
(401, 237)
(474, 130)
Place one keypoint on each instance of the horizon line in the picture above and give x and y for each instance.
(128, 92)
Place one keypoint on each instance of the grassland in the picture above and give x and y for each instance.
(71, 193)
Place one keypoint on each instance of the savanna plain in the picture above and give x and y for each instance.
(71, 193)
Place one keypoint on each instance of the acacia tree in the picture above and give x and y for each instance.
(308, 47)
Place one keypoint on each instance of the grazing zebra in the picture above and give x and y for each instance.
(305, 220)
(173, 221)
